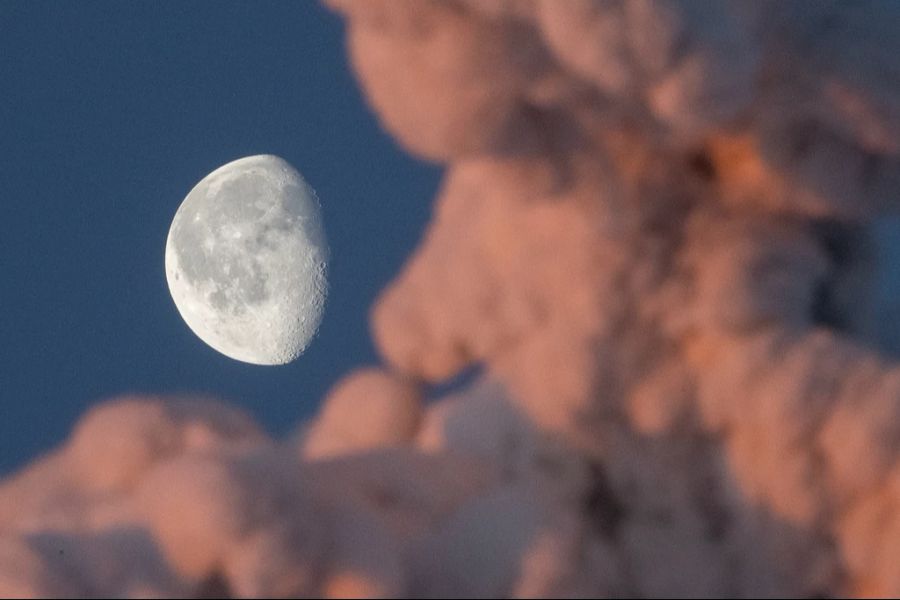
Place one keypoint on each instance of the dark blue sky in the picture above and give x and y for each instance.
(109, 113)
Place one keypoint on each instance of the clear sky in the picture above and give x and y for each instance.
(109, 113)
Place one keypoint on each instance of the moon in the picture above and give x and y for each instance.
(247, 261)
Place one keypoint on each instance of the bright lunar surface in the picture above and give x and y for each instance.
(247, 259)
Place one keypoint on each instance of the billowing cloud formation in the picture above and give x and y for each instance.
(654, 239)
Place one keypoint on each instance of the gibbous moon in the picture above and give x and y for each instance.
(247, 261)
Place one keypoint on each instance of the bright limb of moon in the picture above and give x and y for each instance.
(247, 261)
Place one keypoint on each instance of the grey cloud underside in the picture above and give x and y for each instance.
(247, 261)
